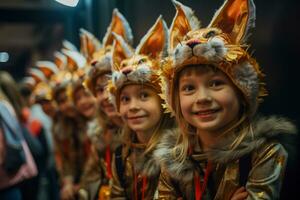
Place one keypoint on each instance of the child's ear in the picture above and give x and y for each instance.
(183, 22)
(155, 41)
(235, 18)
(120, 51)
(120, 26)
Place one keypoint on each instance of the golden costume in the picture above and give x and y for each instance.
(221, 45)
(268, 160)
(135, 172)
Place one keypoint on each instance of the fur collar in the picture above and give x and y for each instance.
(148, 165)
(264, 130)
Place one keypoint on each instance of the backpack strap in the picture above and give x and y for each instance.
(245, 166)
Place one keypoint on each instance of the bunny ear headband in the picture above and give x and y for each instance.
(139, 66)
(221, 44)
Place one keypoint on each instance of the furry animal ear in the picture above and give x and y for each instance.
(120, 51)
(75, 60)
(120, 26)
(60, 60)
(47, 67)
(155, 41)
(183, 22)
(235, 17)
(89, 44)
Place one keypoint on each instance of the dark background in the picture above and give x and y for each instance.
(31, 30)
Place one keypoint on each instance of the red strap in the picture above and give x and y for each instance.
(108, 162)
(135, 192)
(144, 187)
(199, 190)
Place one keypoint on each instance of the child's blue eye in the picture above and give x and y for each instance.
(125, 99)
(100, 89)
(144, 95)
(216, 83)
(188, 88)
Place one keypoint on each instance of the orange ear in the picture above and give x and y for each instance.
(88, 43)
(60, 60)
(183, 22)
(120, 26)
(120, 51)
(47, 67)
(37, 75)
(235, 18)
(155, 41)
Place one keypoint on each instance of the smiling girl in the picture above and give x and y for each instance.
(214, 87)
(135, 88)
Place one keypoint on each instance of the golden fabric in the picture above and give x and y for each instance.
(135, 161)
(264, 181)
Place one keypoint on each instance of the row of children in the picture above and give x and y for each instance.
(173, 118)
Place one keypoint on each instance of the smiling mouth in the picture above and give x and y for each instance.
(88, 107)
(206, 112)
(136, 117)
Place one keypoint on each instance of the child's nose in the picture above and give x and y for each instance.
(203, 96)
(134, 105)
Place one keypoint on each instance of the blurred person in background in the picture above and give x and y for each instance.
(37, 139)
(71, 145)
(22, 172)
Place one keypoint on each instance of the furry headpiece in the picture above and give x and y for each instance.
(221, 44)
(140, 66)
(72, 66)
(101, 59)
(43, 89)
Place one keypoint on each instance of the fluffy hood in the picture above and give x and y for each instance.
(263, 130)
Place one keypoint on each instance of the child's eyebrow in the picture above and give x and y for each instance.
(185, 79)
(101, 85)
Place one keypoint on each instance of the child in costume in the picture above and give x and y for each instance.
(108, 138)
(224, 150)
(135, 87)
(71, 142)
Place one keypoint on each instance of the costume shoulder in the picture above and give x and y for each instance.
(263, 130)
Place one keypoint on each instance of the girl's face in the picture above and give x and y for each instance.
(85, 103)
(140, 107)
(102, 97)
(208, 99)
(64, 104)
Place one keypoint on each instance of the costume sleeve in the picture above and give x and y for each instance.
(266, 175)
(166, 188)
(117, 191)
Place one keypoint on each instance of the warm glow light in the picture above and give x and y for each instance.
(71, 3)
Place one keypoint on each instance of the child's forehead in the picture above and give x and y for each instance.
(135, 88)
(199, 70)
